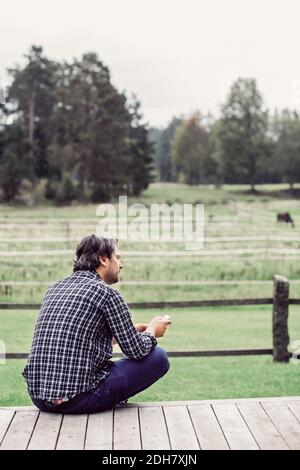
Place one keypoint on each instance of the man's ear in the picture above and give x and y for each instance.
(103, 260)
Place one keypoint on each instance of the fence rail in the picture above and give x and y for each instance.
(175, 304)
(220, 282)
(280, 302)
(222, 239)
(214, 353)
(247, 253)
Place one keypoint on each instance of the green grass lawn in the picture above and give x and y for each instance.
(192, 329)
(162, 293)
(156, 269)
(189, 378)
(219, 200)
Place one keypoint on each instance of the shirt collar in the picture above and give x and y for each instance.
(90, 274)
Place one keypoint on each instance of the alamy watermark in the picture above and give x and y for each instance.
(154, 223)
(295, 346)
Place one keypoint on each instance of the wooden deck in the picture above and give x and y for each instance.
(264, 423)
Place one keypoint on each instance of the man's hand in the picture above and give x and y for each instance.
(158, 325)
(141, 326)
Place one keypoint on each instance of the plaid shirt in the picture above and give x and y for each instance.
(72, 343)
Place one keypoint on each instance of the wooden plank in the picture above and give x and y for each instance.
(180, 428)
(20, 408)
(235, 430)
(20, 430)
(176, 403)
(99, 434)
(202, 303)
(17, 306)
(280, 332)
(284, 420)
(154, 432)
(46, 432)
(180, 304)
(178, 282)
(215, 353)
(220, 352)
(6, 417)
(72, 432)
(263, 252)
(294, 406)
(263, 430)
(201, 402)
(126, 434)
(212, 240)
(208, 430)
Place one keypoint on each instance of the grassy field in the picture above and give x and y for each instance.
(192, 329)
(189, 379)
(220, 200)
(231, 211)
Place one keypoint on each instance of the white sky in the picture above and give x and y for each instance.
(176, 55)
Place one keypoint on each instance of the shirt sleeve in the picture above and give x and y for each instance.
(133, 343)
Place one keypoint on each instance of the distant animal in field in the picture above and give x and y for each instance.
(284, 217)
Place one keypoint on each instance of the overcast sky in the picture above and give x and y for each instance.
(176, 55)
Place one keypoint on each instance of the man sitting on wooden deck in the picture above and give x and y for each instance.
(69, 367)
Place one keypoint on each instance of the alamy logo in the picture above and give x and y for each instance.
(154, 223)
(295, 359)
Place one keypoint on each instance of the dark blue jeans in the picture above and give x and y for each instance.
(127, 377)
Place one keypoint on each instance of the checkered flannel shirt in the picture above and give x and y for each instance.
(72, 343)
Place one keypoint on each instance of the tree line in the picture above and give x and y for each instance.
(246, 144)
(66, 125)
(67, 132)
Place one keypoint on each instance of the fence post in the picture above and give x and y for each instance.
(280, 319)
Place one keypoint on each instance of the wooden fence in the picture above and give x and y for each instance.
(280, 302)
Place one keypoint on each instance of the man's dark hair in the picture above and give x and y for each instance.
(89, 250)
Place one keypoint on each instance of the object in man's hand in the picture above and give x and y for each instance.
(166, 318)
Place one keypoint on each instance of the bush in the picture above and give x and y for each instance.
(10, 175)
(100, 194)
(66, 191)
(61, 191)
(50, 189)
